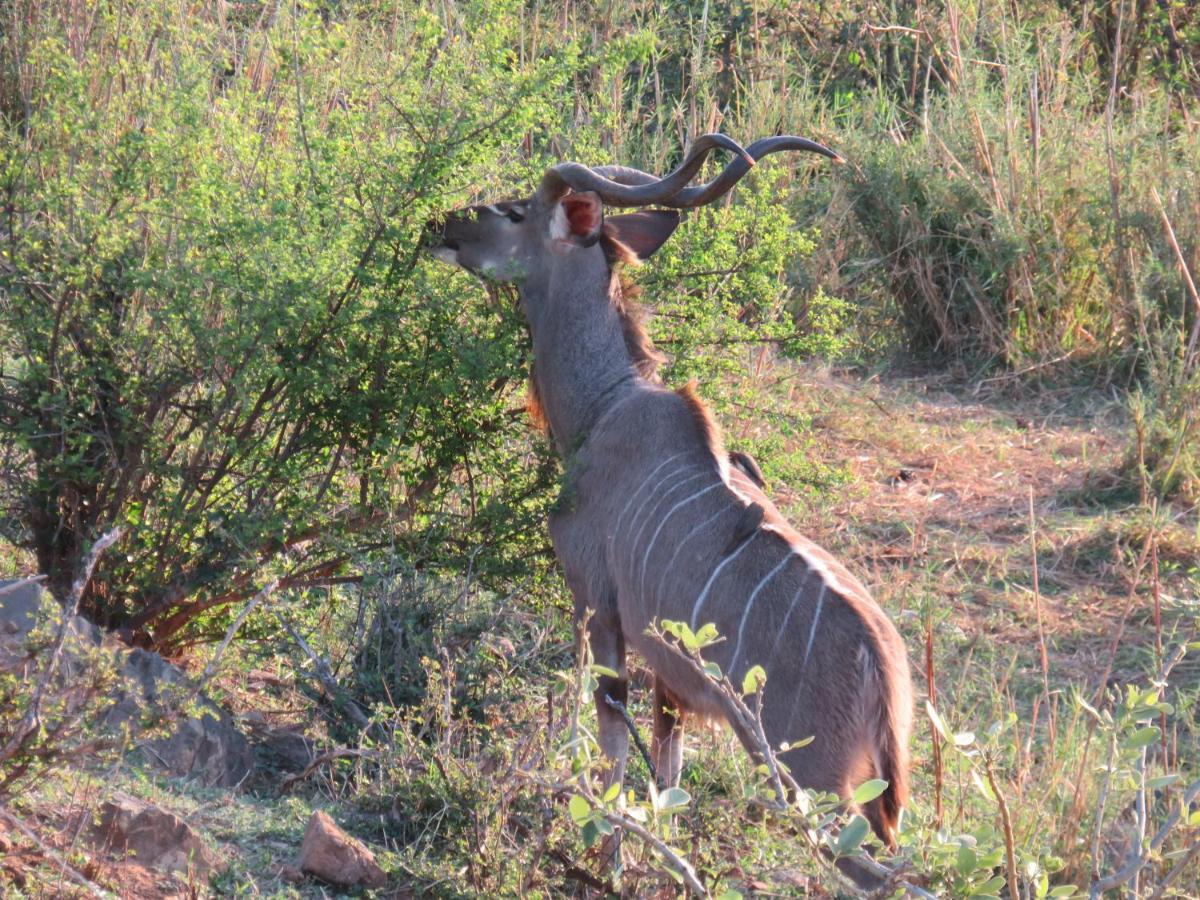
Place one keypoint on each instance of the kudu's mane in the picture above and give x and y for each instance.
(622, 294)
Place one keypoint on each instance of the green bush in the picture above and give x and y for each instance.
(217, 328)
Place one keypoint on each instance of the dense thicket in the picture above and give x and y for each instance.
(218, 331)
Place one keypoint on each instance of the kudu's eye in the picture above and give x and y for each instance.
(515, 216)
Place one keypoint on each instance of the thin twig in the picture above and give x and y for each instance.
(633, 731)
(1010, 858)
(1186, 860)
(1135, 865)
(1098, 829)
(1041, 627)
(673, 859)
(1184, 270)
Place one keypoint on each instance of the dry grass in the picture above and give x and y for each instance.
(937, 506)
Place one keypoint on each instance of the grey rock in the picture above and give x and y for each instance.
(205, 744)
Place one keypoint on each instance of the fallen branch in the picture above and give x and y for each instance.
(327, 757)
(325, 676)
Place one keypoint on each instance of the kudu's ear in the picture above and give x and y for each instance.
(579, 218)
(642, 232)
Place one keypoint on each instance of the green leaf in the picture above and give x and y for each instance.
(1064, 890)
(1043, 885)
(964, 738)
(753, 680)
(966, 860)
(1143, 737)
(614, 790)
(673, 798)
(852, 835)
(869, 790)
(936, 719)
(729, 894)
(590, 833)
(688, 638)
(1162, 781)
(706, 635)
(983, 786)
(579, 808)
(603, 825)
(991, 886)
(598, 669)
(712, 670)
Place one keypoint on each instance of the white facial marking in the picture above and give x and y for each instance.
(445, 254)
(560, 228)
(737, 650)
(713, 577)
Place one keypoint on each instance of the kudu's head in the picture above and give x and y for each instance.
(564, 222)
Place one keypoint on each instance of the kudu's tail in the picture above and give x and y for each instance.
(890, 721)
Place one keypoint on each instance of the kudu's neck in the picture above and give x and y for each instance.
(581, 362)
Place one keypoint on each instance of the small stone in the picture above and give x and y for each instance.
(334, 856)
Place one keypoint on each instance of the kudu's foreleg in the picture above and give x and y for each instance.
(667, 746)
(608, 650)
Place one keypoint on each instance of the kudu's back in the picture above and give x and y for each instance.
(688, 538)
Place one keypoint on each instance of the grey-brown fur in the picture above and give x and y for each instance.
(661, 526)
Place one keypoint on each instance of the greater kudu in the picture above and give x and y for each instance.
(655, 522)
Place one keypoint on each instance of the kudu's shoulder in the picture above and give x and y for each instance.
(654, 421)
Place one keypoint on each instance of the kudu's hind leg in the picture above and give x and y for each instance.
(667, 746)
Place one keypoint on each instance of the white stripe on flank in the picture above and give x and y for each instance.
(796, 599)
(648, 505)
(716, 572)
(637, 535)
(683, 543)
(831, 578)
(737, 650)
(670, 512)
(812, 632)
(633, 496)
